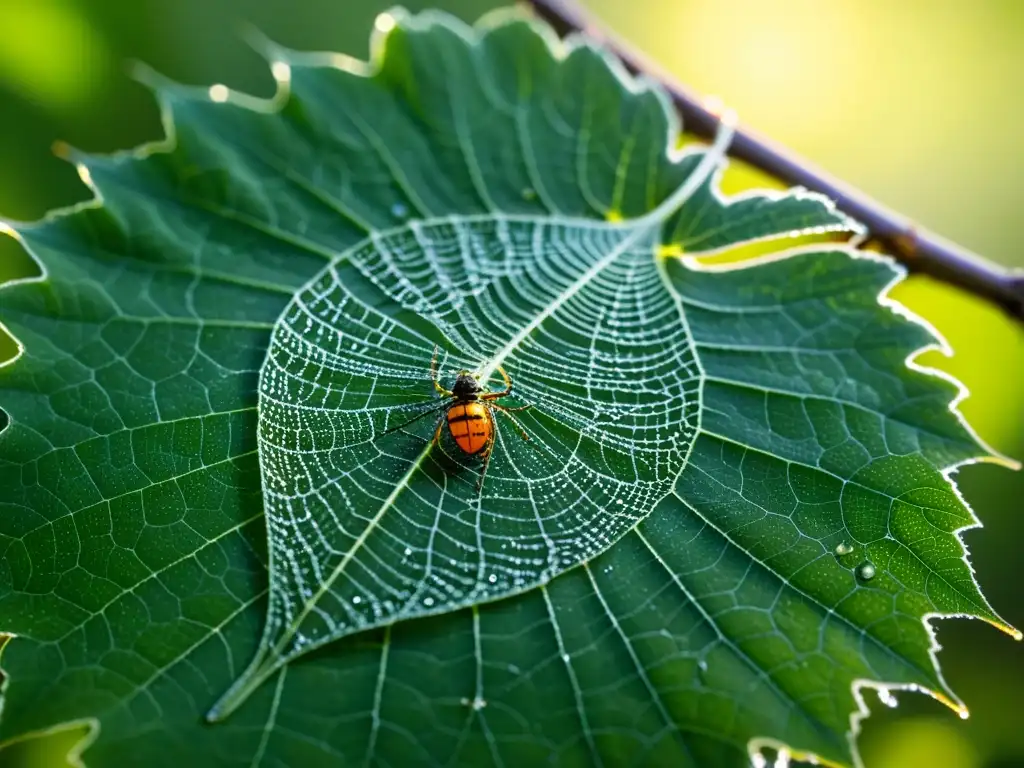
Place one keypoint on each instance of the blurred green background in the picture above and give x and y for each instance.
(919, 103)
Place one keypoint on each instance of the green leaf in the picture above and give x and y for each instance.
(786, 525)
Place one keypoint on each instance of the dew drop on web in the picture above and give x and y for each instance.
(866, 571)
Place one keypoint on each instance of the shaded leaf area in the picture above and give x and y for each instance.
(132, 544)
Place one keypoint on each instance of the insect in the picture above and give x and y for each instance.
(469, 410)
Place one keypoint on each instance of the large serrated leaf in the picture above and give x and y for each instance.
(786, 521)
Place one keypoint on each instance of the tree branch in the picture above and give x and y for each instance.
(919, 250)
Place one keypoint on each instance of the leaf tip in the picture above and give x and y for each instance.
(1008, 629)
(259, 42)
(61, 149)
(145, 75)
(259, 669)
(68, 153)
(957, 706)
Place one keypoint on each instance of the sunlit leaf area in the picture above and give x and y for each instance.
(917, 103)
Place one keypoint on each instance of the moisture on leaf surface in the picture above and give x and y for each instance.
(734, 505)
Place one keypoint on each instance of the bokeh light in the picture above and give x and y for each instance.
(50, 53)
(923, 742)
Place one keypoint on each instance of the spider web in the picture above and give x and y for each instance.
(368, 527)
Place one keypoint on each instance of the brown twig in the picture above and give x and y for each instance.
(920, 250)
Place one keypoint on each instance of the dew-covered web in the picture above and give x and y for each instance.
(368, 526)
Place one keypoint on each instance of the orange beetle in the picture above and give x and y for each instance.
(469, 423)
(469, 413)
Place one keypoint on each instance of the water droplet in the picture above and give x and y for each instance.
(842, 548)
(428, 601)
(399, 211)
(281, 71)
(408, 551)
(866, 571)
(492, 578)
(357, 600)
(384, 23)
(565, 657)
(885, 696)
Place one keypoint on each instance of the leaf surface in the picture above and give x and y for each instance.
(479, 190)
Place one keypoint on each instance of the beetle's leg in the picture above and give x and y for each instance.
(506, 408)
(505, 392)
(433, 376)
(508, 382)
(437, 432)
(513, 419)
(414, 419)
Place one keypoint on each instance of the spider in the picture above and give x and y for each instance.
(469, 413)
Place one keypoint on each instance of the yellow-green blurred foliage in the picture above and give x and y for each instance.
(918, 102)
(57, 749)
(31, 69)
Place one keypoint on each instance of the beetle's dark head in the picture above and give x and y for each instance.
(466, 385)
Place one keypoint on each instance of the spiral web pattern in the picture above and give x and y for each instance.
(369, 524)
